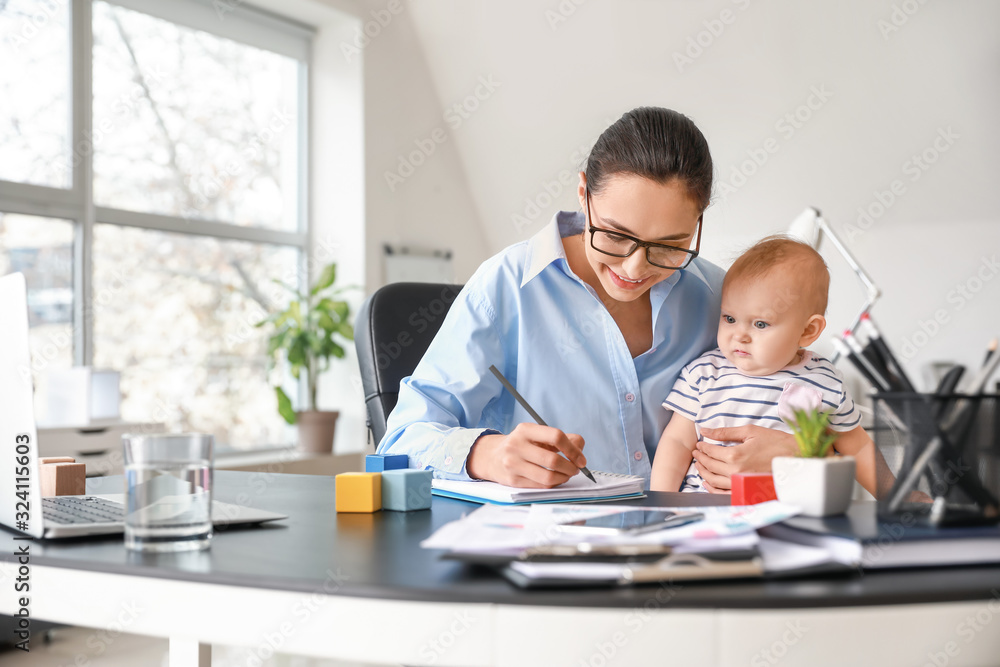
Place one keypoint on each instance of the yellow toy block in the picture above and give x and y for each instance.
(359, 492)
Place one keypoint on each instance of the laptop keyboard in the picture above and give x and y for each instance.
(82, 509)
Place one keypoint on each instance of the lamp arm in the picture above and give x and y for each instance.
(873, 291)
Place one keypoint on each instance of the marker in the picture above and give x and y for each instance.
(990, 351)
(843, 350)
(876, 377)
(893, 365)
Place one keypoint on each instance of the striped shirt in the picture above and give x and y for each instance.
(713, 393)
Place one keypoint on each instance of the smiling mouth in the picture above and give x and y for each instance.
(625, 283)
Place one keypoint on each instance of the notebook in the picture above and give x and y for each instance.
(609, 486)
(860, 538)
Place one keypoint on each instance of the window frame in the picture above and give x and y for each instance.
(228, 19)
(235, 21)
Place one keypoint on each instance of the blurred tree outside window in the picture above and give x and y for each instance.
(196, 199)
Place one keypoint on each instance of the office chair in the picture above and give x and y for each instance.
(394, 327)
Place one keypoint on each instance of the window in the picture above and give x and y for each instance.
(35, 89)
(152, 186)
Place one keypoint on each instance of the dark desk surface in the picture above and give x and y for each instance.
(378, 556)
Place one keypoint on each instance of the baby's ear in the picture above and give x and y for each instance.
(814, 327)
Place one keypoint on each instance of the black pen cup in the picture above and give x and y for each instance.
(944, 448)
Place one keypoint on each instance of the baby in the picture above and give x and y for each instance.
(773, 301)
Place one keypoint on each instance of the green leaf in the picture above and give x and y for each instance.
(327, 323)
(326, 278)
(346, 330)
(285, 405)
(297, 351)
(341, 308)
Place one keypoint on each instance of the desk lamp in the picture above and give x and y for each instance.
(810, 227)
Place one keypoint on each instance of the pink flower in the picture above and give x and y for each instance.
(797, 396)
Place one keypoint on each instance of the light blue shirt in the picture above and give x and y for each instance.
(525, 311)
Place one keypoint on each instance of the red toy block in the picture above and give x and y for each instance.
(751, 488)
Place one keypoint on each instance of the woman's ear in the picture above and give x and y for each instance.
(581, 191)
(814, 327)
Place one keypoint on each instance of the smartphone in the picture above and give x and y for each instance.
(631, 522)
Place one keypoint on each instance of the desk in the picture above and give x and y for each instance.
(358, 587)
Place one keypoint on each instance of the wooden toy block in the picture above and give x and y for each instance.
(359, 492)
(383, 462)
(751, 488)
(406, 490)
(62, 476)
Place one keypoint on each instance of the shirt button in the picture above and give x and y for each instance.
(638, 456)
(447, 461)
(630, 397)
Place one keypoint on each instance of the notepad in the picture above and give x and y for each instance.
(609, 486)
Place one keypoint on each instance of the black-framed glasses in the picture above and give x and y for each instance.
(618, 244)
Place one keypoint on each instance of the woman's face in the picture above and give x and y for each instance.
(647, 210)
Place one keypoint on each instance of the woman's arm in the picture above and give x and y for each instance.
(673, 454)
(439, 422)
(531, 456)
(757, 446)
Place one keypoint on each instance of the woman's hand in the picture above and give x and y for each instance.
(531, 456)
(757, 446)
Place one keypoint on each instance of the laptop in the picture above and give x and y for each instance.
(61, 516)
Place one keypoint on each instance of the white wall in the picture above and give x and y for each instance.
(542, 79)
(566, 68)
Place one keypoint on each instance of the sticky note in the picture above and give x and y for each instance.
(406, 490)
(359, 491)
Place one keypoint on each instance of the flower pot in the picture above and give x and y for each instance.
(316, 428)
(819, 487)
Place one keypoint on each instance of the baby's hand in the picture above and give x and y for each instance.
(918, 497)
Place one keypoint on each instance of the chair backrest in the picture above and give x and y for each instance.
(395, 326)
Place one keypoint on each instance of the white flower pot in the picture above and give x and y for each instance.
(819, 487)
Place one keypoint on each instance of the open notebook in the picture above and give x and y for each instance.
(609, 486)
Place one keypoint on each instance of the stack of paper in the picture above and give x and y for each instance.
(723, 544)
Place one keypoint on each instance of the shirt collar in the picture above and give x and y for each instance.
(546, 246)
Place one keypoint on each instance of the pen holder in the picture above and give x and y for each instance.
(944, 449)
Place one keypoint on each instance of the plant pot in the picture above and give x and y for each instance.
(316, 428)
(819, 487)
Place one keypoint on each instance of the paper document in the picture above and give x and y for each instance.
(499, 528)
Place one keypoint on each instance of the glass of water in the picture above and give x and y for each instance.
(168, 492)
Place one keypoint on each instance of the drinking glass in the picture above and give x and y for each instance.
(168, 494)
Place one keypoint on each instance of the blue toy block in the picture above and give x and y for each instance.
(406, 490)
(383, 462)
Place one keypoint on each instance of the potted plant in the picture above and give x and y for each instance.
(306, 336)
(819, 484)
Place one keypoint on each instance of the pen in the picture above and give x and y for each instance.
(845, 351)
(862, 361)
(991, 349)
(531, 410)
(892, 364)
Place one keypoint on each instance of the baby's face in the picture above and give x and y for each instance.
(762, 323)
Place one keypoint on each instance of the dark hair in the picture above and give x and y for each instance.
(655, 143)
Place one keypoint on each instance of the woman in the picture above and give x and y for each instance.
(592, 320)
